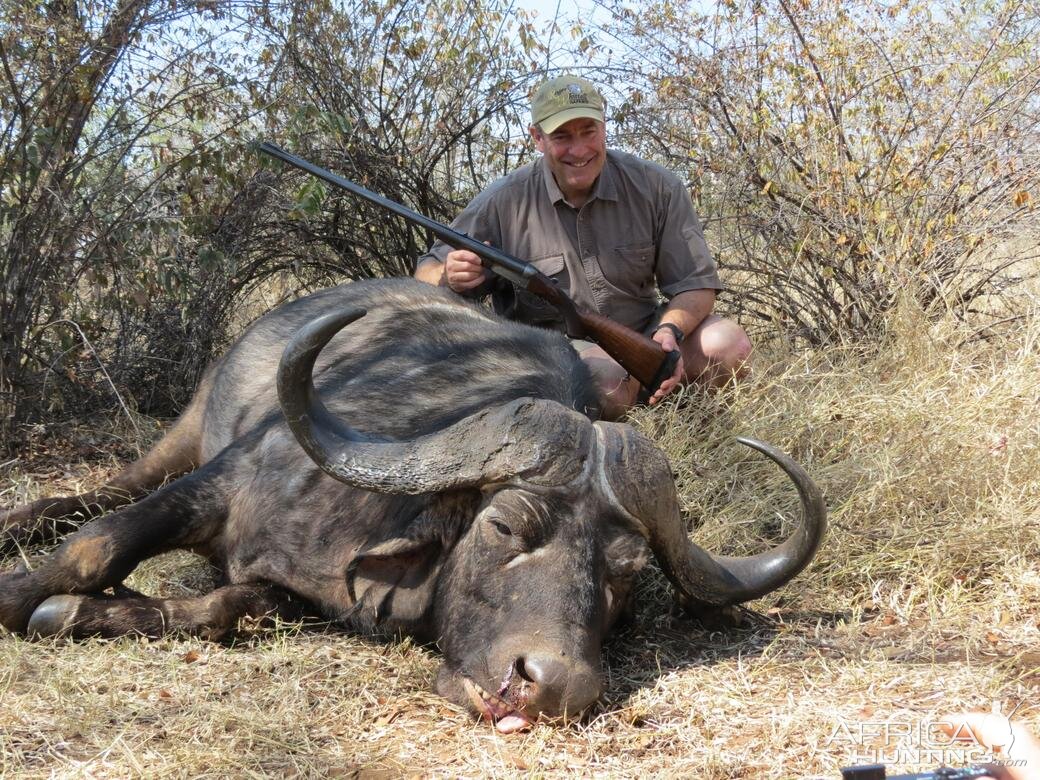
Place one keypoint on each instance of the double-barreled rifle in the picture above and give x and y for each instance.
(640, 356)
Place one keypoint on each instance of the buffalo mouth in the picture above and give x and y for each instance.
(507, 718)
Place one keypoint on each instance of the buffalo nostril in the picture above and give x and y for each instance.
(543, 669)
(560, 684)
(550, 682)
(537, 680)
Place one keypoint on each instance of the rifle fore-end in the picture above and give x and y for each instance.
(640, 356)
(643, 357)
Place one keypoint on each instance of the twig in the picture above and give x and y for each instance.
(979, 332)
(835, 115)
(104, 371)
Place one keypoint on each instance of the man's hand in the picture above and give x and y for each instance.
(1009, 740)
(463, 271)
(666, 339)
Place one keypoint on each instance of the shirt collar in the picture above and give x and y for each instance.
(605, 187)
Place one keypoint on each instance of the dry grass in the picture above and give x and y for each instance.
(924, 600)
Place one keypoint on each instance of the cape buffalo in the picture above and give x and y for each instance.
(414, 465)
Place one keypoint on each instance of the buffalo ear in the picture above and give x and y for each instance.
(394, 581)
(626, 555)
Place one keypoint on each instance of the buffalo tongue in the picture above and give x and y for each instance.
(512, 723)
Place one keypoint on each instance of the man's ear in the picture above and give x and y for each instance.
(538, 137)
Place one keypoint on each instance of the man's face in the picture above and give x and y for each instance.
(575, 152)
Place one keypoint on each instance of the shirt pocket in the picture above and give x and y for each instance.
(630, 269)
(534, 310)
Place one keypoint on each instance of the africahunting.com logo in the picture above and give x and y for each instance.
(949, 741)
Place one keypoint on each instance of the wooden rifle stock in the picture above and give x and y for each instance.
(640, 356)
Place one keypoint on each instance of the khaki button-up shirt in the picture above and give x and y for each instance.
(636, 238)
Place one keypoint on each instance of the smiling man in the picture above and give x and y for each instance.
(620, 236)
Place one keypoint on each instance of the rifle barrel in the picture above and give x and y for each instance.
(446, 234)
(639, 355)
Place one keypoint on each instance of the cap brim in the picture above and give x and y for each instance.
(562, 117)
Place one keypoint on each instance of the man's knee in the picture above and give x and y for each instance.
(716, 352)
(616, 390)
(728, 346)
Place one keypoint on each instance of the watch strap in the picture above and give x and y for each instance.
(675, 329)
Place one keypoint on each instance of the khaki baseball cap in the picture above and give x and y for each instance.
(564, 98)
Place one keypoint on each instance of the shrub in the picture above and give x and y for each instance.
(842, 153)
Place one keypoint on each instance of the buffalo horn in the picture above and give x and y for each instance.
(707, 581)
(523, 438)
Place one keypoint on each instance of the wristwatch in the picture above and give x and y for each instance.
(675, 329)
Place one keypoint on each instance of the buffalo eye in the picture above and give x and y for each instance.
(501, 527)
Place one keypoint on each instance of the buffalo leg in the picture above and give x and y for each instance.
(48, 519)
(185, 514)
(212, 616)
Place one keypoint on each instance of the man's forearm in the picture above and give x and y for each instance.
(431, 272)
(688, 309)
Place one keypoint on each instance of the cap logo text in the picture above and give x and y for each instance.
(574, 94)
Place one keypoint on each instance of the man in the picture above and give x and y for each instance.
(613, 231)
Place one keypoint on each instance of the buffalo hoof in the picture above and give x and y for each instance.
(15, 530)
(54, 617)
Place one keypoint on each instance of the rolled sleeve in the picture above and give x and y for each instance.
(683, 260)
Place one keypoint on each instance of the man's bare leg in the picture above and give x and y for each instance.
(716, 353)
(617, 391)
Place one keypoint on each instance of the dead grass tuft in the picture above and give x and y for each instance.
(923, 601)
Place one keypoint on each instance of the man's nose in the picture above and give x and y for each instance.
(578, 150)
